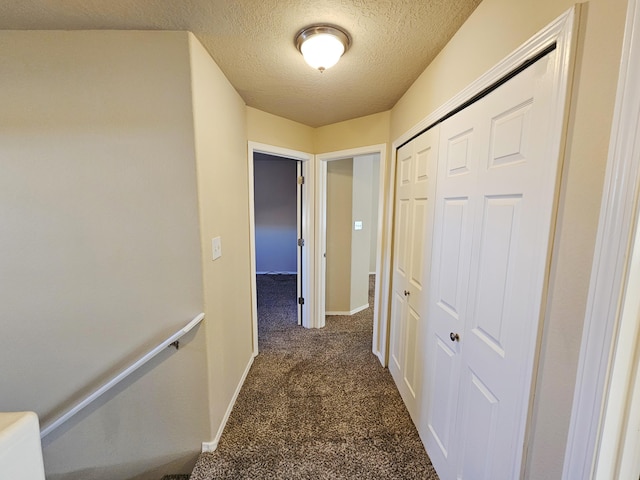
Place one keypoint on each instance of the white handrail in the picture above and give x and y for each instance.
(51, 426)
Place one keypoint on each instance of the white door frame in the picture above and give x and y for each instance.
(562, 33)
(321, 231)
(595, 409)
(307, 231)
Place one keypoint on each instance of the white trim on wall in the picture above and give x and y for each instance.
(618, 215)
(212, 445)
(619, 446)
(352, 312)
(308, 269)
(321, 224)
(561, 33)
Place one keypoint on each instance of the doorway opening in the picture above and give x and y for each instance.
(277, 231)
(280, 219)
(349, 225)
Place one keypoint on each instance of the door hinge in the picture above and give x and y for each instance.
(300, 300)
(301, 242)
(300, 180)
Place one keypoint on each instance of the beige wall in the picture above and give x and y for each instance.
(358, 132)
(339, 207)
(495, 29)
(100, 250)
(221, 151)
(272, 130)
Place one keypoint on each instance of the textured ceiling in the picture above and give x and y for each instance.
(252, 42)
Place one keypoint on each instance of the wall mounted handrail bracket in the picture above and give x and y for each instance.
(113, 381)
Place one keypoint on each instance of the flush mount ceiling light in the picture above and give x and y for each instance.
(322, 45)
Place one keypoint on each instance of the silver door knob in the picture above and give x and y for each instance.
(454, 337)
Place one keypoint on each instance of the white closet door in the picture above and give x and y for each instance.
(449, 285)
(415, 178)
(494, 205)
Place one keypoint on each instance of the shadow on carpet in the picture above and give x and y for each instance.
(316, 403)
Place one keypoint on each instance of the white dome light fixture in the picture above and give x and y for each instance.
(322, 45)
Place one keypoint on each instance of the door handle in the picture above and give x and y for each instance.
(454, 337)
(407, 293)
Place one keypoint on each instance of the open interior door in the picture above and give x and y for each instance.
(301, 241)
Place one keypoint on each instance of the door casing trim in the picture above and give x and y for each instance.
(600, 347)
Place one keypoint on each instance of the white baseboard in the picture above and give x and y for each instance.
(209, 446)
(352, 312)
(276, 273)
(212, 445)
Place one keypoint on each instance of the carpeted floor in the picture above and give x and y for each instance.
(316, 404)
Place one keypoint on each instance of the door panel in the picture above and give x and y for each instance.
(449, 285)
(508, 131)
(401, 247)
(442, 409)
(481, 408)
(416, 169)
(459, 153)
(397, 319)
(494, 205)
(495, 277)
(450, 273)
(411, 360)
(418, 227)
(406, 164)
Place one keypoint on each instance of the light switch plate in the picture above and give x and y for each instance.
(357, 225)
(216, 247)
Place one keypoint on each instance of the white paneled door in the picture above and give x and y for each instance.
(493, 217)
(415, 181)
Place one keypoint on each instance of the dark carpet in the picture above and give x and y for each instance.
(316, 404)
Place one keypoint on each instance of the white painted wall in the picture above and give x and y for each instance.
(275, 197)
(99, 246)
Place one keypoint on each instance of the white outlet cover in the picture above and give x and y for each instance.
(216, 248)
(357, 225)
